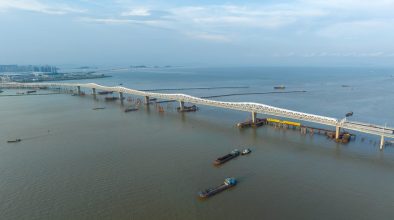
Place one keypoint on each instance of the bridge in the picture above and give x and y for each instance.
(253, 108)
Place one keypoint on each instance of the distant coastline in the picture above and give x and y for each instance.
(30, 73)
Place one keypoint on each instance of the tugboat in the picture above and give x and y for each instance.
(228, 183)
(246, 151)
(233, 154)
(14, 141)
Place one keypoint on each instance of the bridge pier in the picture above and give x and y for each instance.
(121, 97)
(181, 106)
(337, 131)
(254, 117)
(146, 100)
(381, 142)
(79, 90)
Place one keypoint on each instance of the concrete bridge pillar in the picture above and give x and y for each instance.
(254, 117)
(79, 90)
(146, 100)
(337, 131)
(181, 105)
(381, 143)
(121, 97)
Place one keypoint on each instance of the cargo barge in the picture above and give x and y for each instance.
(14, 141)
(105, 92)
(228, 183)
(233, 154)
(259, 122)
(111, 98)
(280, 87)
(192, 108)
(131, 109)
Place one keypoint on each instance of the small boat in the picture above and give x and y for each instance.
(192, 108)
(349, 114)
(131, 109)
(31, 91)
(280, 87)
(105, 92)
(20, 93)
(98, 108)
(14, 141)
(233, 154)
(228, 183)
(246, 151)
(111, 98)
(1, 91)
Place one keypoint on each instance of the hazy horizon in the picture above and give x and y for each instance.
(197, 33)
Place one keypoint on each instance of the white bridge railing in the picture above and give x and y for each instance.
(241, 106)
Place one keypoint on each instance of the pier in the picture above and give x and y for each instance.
(253, 108)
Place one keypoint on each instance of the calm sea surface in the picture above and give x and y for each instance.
(76, 163)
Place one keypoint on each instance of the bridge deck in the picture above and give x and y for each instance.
(241, 106)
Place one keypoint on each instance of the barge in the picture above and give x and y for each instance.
(228, 183)
(280, 87)
(233, 154)
(259, 122)
(105, 92)
(131, 109)
(111, 98)
(192, 108)
(14, 141)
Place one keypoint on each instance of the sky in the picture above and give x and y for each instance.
(197, 33)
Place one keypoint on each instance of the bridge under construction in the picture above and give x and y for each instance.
(254, 108)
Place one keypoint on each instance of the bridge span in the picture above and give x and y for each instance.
(253, 108)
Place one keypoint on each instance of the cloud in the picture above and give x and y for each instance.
(37, 6)
(117, 21)
(137, 12)
(335, 54)
(357, 28)
(350, 5)
(210, 37)
(242, 16)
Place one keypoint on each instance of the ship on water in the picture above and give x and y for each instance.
(105, 92)
(228, 183)
(233, 154)
(280, 87)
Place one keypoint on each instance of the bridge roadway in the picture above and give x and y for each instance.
(254, 108)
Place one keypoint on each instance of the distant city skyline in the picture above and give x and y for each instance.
(198, 33)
